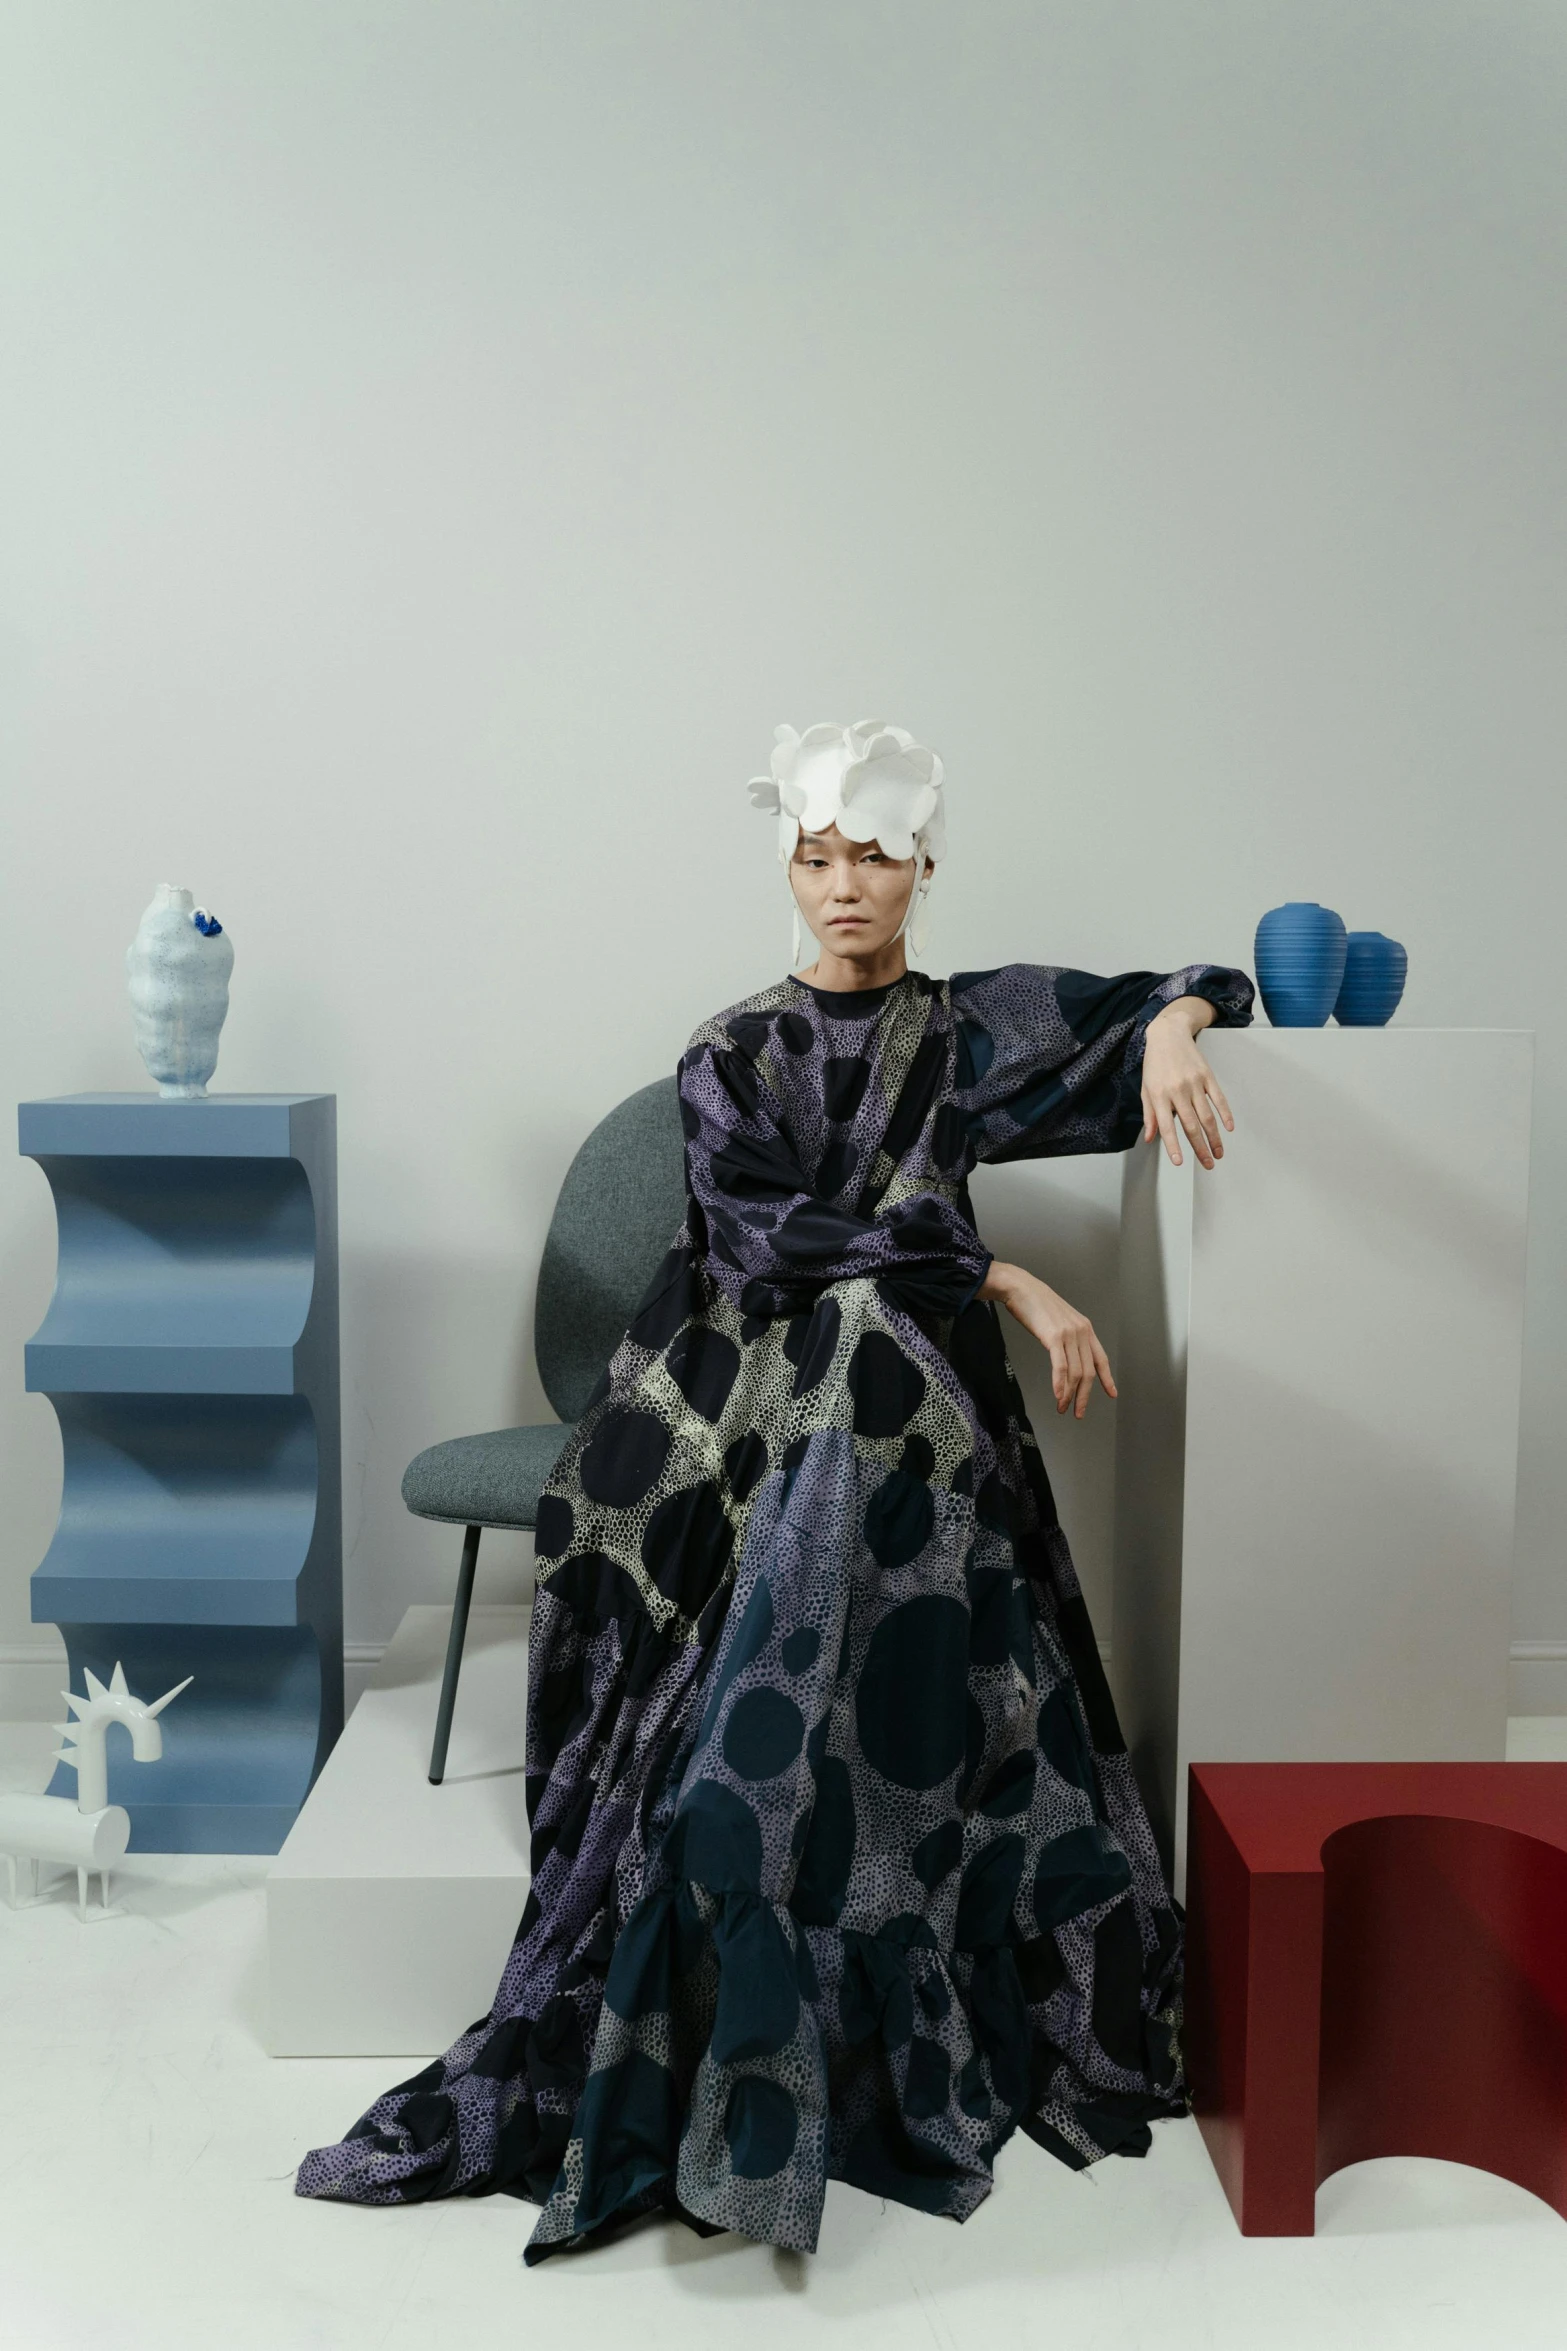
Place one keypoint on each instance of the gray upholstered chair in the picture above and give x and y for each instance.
(618, 1210)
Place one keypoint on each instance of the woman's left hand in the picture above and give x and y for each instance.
(1179, 1089)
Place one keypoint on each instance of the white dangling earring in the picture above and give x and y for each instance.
(919, 926)
(799, 943)
(911, 927)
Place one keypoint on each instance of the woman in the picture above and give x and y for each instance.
(839, 1867)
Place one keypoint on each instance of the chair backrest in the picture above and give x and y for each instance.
(622, 1203)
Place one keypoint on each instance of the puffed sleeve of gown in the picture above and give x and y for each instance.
(1049, 1061)
(773, 1242)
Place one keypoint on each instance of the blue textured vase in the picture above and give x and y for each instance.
(1374, 972)
(1300, 963)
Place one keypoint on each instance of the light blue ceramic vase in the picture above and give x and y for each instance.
(1300, 954)
(1375, 969)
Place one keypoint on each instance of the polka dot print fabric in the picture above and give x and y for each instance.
(839, 1867)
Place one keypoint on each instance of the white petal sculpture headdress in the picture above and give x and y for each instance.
(871, 780)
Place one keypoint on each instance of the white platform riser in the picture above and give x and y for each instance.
(393, 1904)
(1314, 1498)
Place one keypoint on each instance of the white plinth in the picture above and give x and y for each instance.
(1317, 1432)
(392, 1905)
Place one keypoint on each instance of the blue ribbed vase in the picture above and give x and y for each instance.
(1374, 973)
(1300, 953)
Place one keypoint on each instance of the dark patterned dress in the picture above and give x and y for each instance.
(839, 1867)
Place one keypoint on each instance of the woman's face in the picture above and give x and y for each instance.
(851, 893)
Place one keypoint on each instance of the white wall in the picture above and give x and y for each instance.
(441, 441)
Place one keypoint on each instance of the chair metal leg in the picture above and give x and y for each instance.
(459, 1633)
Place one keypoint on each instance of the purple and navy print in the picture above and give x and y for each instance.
(839, 1867)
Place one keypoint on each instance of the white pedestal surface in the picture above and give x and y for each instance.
(1317, 1431)
(392, 1905)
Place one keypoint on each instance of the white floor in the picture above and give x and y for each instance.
(147, 2149)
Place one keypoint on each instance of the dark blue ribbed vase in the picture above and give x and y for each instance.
(1301, 950)
(1374, 972)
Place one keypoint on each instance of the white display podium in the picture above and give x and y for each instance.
(392, 1905)
(1317, 1431)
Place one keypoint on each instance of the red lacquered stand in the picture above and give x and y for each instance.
(1376, 1964)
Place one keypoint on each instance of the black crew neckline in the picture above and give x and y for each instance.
(868, 996)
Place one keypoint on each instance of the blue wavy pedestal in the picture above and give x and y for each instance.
(190, 1352)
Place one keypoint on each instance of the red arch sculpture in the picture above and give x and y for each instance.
(1376, 1964)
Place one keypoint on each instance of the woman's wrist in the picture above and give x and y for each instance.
(1188, 1013)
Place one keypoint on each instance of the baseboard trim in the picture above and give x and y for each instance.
(1537, 1677)
(47, 1652)
(31, 1671)
(32, 1676)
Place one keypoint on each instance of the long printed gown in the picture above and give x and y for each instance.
(839, 1867)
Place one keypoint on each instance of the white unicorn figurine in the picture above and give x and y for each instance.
(92, 1833)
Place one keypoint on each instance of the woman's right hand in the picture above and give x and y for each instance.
(1076, 1357)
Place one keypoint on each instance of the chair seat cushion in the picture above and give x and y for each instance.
(489, 1481)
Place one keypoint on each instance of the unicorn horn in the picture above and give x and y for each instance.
(174, 1693)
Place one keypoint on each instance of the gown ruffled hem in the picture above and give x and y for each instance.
(744, 2058)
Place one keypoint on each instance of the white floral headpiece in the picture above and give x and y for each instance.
(873, 781)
